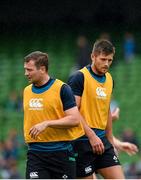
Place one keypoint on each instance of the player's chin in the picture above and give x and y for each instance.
(30, 80)
(104, 70)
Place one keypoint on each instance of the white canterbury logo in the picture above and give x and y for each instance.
(100, 92)
(36, 103)
(34, 175)
(115, 159)
(65, 176)
(88, 169)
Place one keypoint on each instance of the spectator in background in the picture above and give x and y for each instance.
(105, 35)
(11, 146)
(14, 102)
(17, 141)
(131, 171)
(138, 167)
(82, 54)
(9, 155)
(13, 170)
(11, 104)
(10, 152)
(129, 47)
(19, 102)
(2, 160)
(129, 135)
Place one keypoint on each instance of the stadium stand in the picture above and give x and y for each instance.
(126, 77)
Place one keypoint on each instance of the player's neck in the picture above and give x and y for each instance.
(42, 81)
(95, 70)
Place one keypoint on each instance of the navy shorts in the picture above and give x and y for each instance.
(88, 162)
(51, 165)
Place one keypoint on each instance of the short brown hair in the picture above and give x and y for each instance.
(103, 46)
(40, 59)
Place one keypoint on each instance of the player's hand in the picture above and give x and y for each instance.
(97, 144)
(129, 148)
(115, 114)
(37, 129)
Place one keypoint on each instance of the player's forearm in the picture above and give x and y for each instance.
(110, 138)
(117, 142)
(66, 122)
(109, 131)
(88, 131)
(109, 134)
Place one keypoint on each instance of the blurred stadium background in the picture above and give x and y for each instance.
(53, 27)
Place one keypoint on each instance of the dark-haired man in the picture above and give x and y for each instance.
(92, 87)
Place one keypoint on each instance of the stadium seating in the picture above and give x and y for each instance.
(61, 60)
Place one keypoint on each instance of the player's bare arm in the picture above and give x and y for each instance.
(109, 132)
(126, 147)
(71, 119)
(94, 140)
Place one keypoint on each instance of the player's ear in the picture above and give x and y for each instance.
(43, 69)
(92, 56)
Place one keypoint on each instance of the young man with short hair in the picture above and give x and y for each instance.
(92, 87)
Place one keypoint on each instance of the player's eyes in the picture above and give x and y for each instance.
(103, 59)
